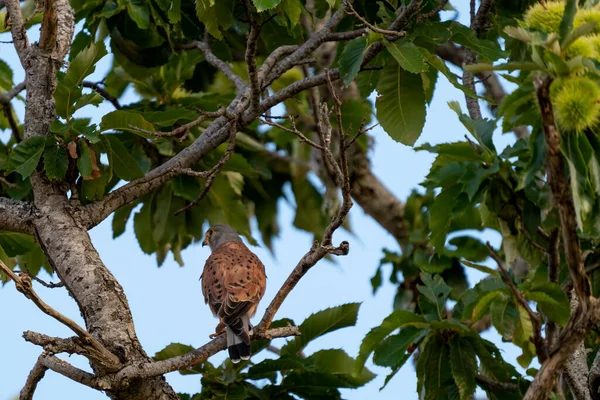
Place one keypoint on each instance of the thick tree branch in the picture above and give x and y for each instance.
(59, 366)
(35, 376)
(156, 368)
(23, 285)
(17, 28)
(16, 215)
(5, 98)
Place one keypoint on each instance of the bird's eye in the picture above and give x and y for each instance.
(210, 232)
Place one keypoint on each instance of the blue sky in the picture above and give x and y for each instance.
(167, 303)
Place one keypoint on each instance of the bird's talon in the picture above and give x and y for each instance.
(216, 334)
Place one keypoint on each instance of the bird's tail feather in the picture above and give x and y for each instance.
(238, 339)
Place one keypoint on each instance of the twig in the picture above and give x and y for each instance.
(35, 376)
(49, 285)
(71, 372)
(251, 46)
(508, 387)
(293, 130)
(5, 98)
(23, 285)
(215, 61)
(351, 11)
(102, 92)
(212, 174)
(538, 341)
(433, 12)
(182, 131)
(553, 271)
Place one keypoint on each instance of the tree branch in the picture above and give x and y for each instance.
(102, 92)
(5, 98)
(538, 341)
(23, 285)
(16, 215)
(251, 46)
(71, 372)
(35, 376)
(17, 28)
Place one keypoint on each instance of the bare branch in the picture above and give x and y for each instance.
(5, 98)
(212, 174)
(576, 368)
(23, 285)
(156, 368)
(509, 387)
(17, 28)
(351, 11)
(49, 285)
(251, 46)
(182, 131)
(71, 372)
(102, 92)
(433, 12)
(216, 62)
(534, 317)
(35, 376)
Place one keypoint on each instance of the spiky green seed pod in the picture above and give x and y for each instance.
(594, 41)
(581, 47)
(545, 18)
(575, 101)
(588, 16)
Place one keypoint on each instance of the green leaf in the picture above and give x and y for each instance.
(226, 196)
(123, 163)
(407, 54)
(481, 129)
(433, 369)
(262, 5)
(142, 225)
(351, 59)
(173, 350)
(401, 103)
(441, 66)
(567, 20)
(504, 316)
(124, 121)
(84, 159)
(551, 299)
(56, 162)
(435, 290)
(523, 337)
(483, 305)
(25, 156)
(15, 244)
(138, 11)
(83, 64)
(293, 10)
(397, 319)
(162, 215)
(174, 12)
(323, 322)
(392, 352)
(266, 367)
(206, 13)
(93, 99)
(120, 218)
(464, 366)
(338, 363)
(441, 215)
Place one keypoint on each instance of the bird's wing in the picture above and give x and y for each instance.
(234, 281)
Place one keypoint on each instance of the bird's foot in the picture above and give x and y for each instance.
(214, 335)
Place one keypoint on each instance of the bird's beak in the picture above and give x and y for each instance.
(204, 242)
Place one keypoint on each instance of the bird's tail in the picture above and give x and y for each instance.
(238, 339)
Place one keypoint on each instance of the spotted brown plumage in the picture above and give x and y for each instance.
(233, 283)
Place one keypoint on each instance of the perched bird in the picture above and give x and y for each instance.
(233, 282)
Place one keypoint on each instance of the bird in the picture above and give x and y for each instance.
(233, 283)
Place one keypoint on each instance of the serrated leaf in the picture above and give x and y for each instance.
(206, 13)
(56, 162)
(15, 244)
(464, 366)
(25, 156)
(401, 104)
(441, 215)
(123, 163)
(397, 319)
(262, 5)
(553, 302)
(392, 352)
(408, 55)
(338, 363)
(124, 121)
(93, 99)
(567, 20)
(504, 316)
(293, 10)
(351, 59)
(174, 12)
(84, 159)
(435, 290)
(323, 322)
(83, 64)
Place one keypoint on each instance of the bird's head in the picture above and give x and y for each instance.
(219, 234)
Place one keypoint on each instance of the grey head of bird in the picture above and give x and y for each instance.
(220, 234)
